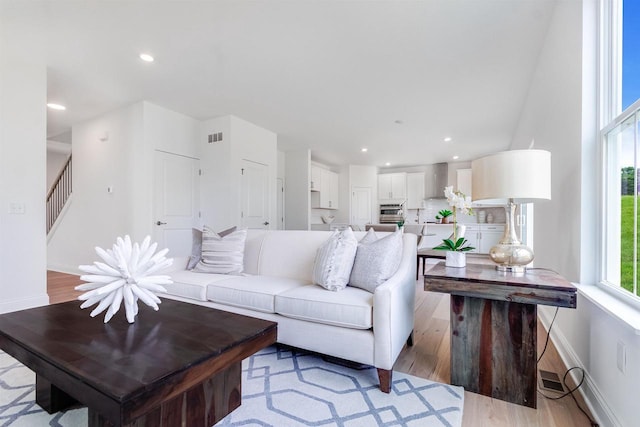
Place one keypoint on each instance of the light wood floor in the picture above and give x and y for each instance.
(429, 358)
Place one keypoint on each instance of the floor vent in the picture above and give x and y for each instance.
(550, 381)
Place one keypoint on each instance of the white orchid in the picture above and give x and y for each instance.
(125, 275)
(461, 203)
(458, 200)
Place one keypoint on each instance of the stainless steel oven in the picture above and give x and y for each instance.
(391, 213)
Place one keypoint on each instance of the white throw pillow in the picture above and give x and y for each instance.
(196, 245)
(334, 259)
(222, 254)
(376, 261)
(369, 237)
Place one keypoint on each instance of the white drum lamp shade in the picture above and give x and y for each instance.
(509, 178)
(521, 175)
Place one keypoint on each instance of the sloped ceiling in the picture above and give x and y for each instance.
(332, 76)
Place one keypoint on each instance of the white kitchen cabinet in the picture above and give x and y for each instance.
(435, 234)
(491, 235)
(415, 190)
(325, 196)
(316, 173)
(483, 236)
(472, 234)
(392, 186)
(464, 181)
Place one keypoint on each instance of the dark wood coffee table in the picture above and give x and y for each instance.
(178, 366)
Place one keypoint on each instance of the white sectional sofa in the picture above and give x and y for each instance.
(352, 324)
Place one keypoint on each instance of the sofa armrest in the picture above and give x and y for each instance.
(393, 307)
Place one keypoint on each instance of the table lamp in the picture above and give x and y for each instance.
(509, 178)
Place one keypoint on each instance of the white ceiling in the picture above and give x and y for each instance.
(332, 76)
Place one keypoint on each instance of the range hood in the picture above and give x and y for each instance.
(436, 178)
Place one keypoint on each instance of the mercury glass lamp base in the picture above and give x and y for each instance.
(511, 257)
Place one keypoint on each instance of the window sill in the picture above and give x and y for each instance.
(626, 312)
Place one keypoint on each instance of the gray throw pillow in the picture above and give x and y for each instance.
(222, 254)
(196, 245)
(376, 261)
(334, 260)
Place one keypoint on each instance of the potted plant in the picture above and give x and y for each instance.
(438, 219)
(445, 214)
(455, 245)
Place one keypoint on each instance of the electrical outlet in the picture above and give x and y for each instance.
(621, 357)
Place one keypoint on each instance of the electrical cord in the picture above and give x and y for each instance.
(546, 342)
(564, 378)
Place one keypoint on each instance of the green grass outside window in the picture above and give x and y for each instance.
(626, 243)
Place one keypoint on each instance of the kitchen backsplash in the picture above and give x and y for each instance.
(431, 208)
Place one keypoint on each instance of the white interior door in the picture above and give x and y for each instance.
(280, 196)
(254, 194)
(176, 204)
(361, 206)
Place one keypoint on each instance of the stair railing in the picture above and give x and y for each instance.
(58, 194)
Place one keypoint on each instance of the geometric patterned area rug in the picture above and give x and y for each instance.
(281, 387)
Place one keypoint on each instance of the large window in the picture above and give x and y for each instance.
(621, 139)
(622, 163)
(630, 53)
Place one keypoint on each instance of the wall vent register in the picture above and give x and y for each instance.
(215, 137)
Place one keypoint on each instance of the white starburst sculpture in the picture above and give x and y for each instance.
(124, 276)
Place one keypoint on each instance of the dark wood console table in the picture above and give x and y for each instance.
(493, 326)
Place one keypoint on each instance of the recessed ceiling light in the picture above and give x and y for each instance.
(56, 106)
(447, 139)
(146, 57)
(364, 150)
(456, 157)
(387, 164)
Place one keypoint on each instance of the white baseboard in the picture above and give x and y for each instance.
(69, 269)
(24, 303)
(598, 406)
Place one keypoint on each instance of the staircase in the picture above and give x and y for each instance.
(58, 195)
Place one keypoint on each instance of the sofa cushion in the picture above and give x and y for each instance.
(193, 285)
(376, 261)
(334, 260)
(222, 255)
(290, 253)
(251, 292)
(349, 308)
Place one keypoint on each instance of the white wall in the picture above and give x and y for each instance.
(23, 86)
(221, 164)
(124, 162)
(552, 116)
(95, 216)
(559, 113)
(297, 195)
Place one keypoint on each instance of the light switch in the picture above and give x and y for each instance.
(17, 208)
